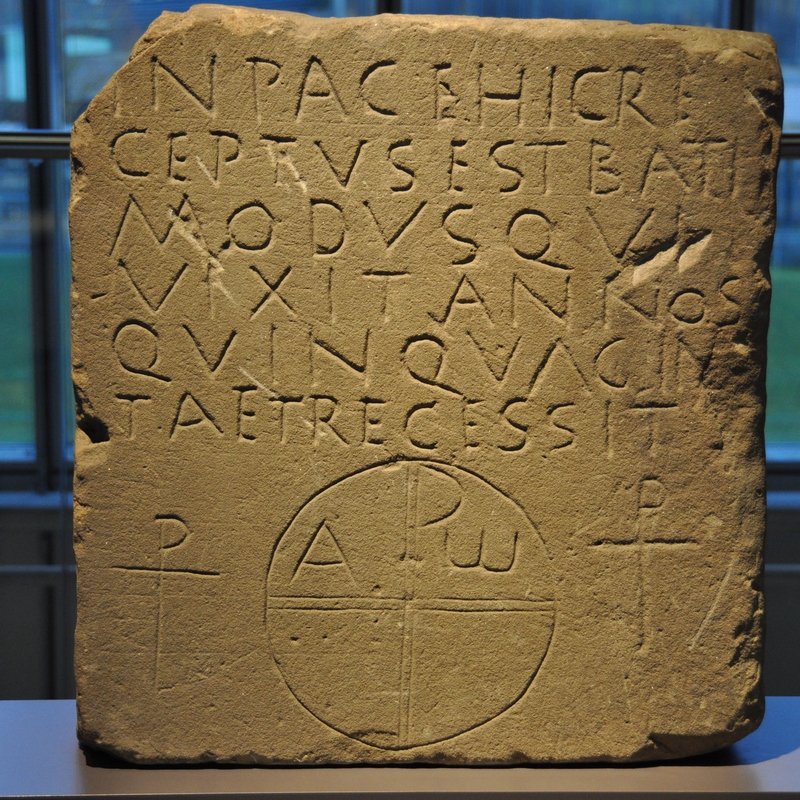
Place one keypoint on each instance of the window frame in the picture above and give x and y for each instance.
(39, 144)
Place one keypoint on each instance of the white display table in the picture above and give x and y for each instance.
(40, 757)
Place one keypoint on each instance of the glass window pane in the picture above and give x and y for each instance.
(97, 36)
(17, 421)
(676, 12)
(12, 65)
(781, 19)
(783, 359)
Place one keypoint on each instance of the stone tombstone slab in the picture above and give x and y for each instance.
(420, 377)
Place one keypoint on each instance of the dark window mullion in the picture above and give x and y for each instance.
(37, 113)
(41, 350)
(38, 31)
(35, 31)
(743, 14)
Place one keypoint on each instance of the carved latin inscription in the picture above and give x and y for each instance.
(419, 370)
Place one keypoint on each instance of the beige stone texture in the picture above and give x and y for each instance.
(420, 376)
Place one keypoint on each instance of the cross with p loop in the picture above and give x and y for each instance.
(173, 533)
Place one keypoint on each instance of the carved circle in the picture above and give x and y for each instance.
(423, 357)
(136, 346)
(688, 306)
(409, 603)
(250, 227)
(529, 234)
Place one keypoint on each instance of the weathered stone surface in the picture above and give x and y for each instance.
(420, 378)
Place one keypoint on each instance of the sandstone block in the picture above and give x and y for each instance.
(420, 378)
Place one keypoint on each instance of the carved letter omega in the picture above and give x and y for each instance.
(419, 367)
